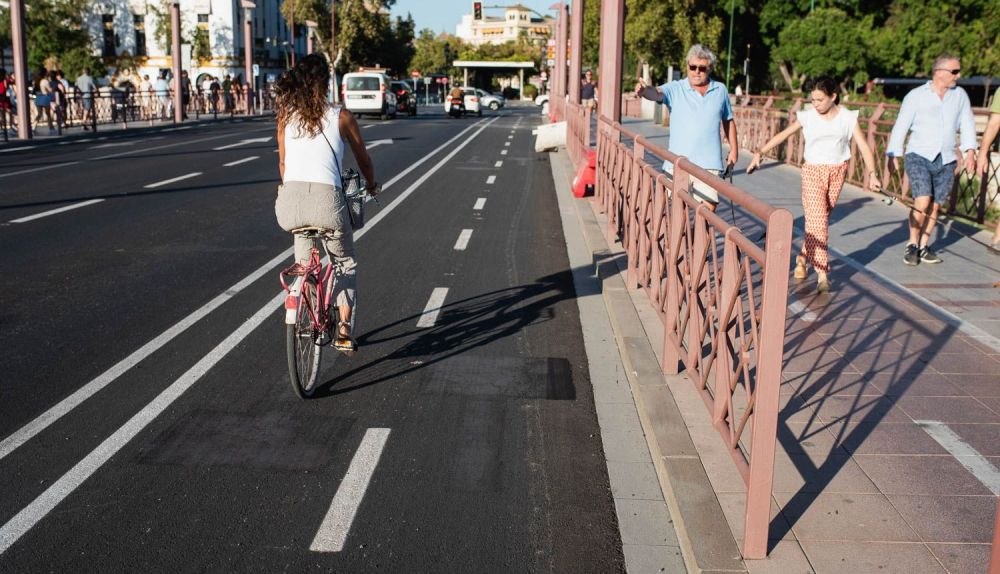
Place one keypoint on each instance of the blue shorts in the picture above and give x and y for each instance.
(930, 177)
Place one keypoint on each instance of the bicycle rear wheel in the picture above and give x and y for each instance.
(300, 342)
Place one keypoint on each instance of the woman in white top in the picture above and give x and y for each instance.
(828, 129)
(311, 135)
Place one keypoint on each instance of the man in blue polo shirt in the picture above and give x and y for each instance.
(697, 106)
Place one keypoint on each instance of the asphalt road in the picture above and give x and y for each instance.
(146, 418)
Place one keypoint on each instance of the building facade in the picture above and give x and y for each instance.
(211, 37)
(517, 21)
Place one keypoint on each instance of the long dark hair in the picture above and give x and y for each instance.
(301, 95)
(825, 84)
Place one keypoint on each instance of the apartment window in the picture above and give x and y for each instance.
(139, 23)
(203, 21)
(108, 25)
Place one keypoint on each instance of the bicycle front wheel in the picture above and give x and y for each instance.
(301, 342)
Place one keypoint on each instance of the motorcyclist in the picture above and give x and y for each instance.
(458, 94)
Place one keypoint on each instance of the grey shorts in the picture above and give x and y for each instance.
(932, 178)
(699, 189)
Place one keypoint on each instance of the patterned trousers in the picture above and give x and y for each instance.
(821, 185)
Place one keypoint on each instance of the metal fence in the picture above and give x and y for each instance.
(122, 107)
(720, 296)
(758, 118)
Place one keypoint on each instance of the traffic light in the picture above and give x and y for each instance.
(447, 55)
(477, 10)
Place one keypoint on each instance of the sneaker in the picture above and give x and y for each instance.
(912, 255)
(928, 256)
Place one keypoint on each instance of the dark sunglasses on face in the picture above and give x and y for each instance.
(694, 68)
(953, 72)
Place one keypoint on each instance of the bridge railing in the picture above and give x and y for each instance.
(721, 297)
(758, 118)
(578, 120)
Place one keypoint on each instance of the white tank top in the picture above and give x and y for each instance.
(828, 142)
(309, 159)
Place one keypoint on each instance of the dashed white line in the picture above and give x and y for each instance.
(510, 137)
(503, 152)
(977, 464)
(239, 161)
(463, 240)
(498, 164)
(506, 144)
(429, 317)
(800, 310)
(172, 180)
(22, 148)
(26, 519)
(480, 203)
(332, 533)
(491, 179)
(55, 211)
(43, 168)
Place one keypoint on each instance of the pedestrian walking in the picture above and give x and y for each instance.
(227, 93)
(185, 93)
(698, 104)
(43, 100)
(146, 97)
(828, 129)
(5, 108)
(161, 91)
(85, 84)
(983, 160)
(214, 88)
(311, 135)
(932, 114)
(588, 91)
(60, 99)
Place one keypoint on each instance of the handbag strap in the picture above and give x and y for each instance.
(334, 152)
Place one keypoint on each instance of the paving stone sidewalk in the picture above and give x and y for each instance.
(889, 437)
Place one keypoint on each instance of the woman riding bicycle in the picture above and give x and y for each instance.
(311, 134)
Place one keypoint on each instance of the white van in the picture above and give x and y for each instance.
(369, 93)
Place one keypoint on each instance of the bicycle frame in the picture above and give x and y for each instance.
(321, 318)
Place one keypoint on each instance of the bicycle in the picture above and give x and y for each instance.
(310, 321)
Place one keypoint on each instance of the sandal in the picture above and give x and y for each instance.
(823, 286)
(801, 271)
(344, 342)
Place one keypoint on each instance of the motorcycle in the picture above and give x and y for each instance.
(456, 107)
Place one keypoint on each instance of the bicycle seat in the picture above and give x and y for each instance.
(312, 231)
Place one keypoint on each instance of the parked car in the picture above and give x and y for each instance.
(491, 101)
(406, 98)
(369, 93)
(471, 99)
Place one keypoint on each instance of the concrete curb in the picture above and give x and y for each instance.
(702, 529)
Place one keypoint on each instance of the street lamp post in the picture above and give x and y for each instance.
(250, 83)
(291, 17)
(311, 25)
(175, 31)
(20, 68)
(729, 56)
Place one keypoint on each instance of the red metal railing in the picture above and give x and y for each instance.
(578, 119)
(721, 297)
(758, 118)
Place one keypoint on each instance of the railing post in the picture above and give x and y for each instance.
(794, 141)
(774, 299)
(630, 237)
(872, 129)
(723, 362)
(671, 352)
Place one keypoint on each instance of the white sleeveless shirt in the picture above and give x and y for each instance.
(309, 159)
(828, 142)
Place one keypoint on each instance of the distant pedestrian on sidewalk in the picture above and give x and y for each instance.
(85, 84)
(43, 100)
(161, 89)
(60, 100)
(588, 91)
(697, 106)
(983, 161)
(934, 112)
(6, 118)
(828, 129)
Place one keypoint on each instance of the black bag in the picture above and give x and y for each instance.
(352, 185)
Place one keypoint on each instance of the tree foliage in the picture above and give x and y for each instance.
(827, 42)
(55, 28)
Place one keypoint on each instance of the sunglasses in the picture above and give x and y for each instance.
(953, 72)
(694, 68)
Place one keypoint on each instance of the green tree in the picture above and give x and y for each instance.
(52, 29)
(429, 54)
(826, 42)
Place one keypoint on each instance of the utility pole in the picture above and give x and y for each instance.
(251, 81)
(729, 57)
(175, 31)
(20, 69)
(333, 51)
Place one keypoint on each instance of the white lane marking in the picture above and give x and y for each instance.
(503, 152)
(491, 179)
(172, 180)
(22, 148)
(506, 144)
(244, 142)
(498, 164)
(332, 533)
(430, 315)
(977, 464)
(480, 203)
(377, 143)
(463, 240)
(34, 169)
(115, 144)
(368, 126)
(28, 431)
(239, 161)
(55, 211)
(66, 484)
(510, 137)
(277, 150)
(801, 311)
(39, 424)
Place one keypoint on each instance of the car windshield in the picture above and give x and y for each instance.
(359, 83)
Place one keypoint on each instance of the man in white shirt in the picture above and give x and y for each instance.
(932, 114)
